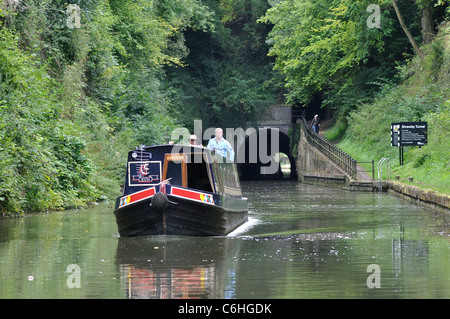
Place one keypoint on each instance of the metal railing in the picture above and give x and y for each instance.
(380, 168)
(336, 155)
(380, 171)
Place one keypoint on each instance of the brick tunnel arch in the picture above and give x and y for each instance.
(254, 152)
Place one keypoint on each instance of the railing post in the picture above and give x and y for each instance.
(373, 169)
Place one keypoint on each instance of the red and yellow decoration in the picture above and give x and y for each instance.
(136, 197)
(197, 196)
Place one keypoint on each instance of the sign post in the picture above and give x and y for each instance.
(408, 134)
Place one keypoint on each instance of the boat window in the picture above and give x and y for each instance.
(198, 177)
(218, 177)
(175, 169)
(198, 172)
(226, 174)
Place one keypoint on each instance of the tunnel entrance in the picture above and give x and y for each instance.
(266, 155)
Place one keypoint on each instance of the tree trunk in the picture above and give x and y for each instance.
(405, 29)
(427, 25)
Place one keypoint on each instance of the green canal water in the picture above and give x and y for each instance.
(301, 241)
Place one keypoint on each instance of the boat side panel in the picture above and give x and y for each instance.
(188, 218)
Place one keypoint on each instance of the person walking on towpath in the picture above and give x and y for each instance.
(221, 145)
(316, 124)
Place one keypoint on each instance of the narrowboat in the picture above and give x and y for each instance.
(179, 190)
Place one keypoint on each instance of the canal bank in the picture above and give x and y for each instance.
(422, 196)
(320, 162)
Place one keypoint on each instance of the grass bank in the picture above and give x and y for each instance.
(423, 94)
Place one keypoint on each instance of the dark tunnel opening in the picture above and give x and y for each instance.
(266, 155)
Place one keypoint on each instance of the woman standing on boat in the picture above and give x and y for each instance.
(221, 145)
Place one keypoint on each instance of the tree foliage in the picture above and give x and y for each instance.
(42, 162)
(327, 47)
(424, 94)
(74, 100)
(228, 79)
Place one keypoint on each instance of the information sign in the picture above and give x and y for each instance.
(409, 134)
(413, 133)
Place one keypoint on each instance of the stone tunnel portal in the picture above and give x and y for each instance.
(262, 155)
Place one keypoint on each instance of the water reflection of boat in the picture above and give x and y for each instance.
(175, 284)
(155, 267)
(184, 190)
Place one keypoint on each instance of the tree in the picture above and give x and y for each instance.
(319, 45)
(73, 100)
(405, 28)
(427, 21)
(228, 78)
(327, 47)
(429, 16)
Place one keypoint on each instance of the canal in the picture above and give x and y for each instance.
(301, 241)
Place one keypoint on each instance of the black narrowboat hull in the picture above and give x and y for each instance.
(180, 216)
(179, 190)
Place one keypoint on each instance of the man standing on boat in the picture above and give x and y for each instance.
(221, 145)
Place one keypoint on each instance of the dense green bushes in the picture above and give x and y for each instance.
(423, 95)
(75, 99)
(42, 163)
